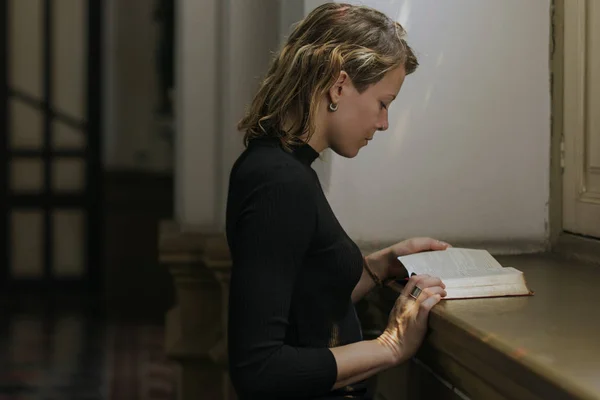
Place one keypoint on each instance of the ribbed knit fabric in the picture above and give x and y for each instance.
(294, 269)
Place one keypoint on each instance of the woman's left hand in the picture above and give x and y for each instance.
(395, 268)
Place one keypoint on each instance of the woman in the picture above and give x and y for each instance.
(293, 330)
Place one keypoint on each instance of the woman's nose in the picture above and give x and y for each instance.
(383, 126)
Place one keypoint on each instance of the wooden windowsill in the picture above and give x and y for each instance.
(543, 346)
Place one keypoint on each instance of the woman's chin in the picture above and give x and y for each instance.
(347, 152)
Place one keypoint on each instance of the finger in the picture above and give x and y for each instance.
(423, 281)
(439, 245)
(412, 282)
(426, 306)
(432, 291)
(419, 244)
(429, 281)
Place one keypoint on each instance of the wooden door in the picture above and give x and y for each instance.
(581, 177)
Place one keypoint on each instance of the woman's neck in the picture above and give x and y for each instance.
(317, 140)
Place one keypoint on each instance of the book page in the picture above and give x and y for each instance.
(500, 290)
(450, 263)
(490, 277)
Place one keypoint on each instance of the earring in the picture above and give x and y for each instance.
(333, 107)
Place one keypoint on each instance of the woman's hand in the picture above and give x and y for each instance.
(385, 263)
(407, 323)
(410, 246)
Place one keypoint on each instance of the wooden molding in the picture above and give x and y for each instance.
(172, 239)
(557, 117)
(495, 247)
(176, 240)
(578, 247)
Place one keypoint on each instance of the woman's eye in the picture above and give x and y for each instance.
(383, 105)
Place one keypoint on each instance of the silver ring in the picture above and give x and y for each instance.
(415, 292)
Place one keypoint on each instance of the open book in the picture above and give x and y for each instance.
(468, 273)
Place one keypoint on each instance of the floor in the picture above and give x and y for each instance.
(68, 347)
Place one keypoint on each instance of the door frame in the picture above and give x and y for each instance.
(557, 88)
(560, 241)
(3, 136)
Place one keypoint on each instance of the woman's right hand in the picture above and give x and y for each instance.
(407, 323)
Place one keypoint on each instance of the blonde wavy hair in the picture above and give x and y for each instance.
(334, 37)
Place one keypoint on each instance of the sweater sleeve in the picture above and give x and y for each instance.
(269, 238)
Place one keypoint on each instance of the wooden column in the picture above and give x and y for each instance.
(193, 325)
(217, 259)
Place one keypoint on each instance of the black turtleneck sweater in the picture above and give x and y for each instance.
(294, 269)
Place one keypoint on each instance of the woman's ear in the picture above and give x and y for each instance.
(335, 92)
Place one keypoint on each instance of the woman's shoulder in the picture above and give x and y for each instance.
(264, 163)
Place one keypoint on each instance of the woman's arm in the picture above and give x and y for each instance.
(401, 339)
(378, 262)
(270, 227)
(385, 264)
(359, 361)
(271, 221)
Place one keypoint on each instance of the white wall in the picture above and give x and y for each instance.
(466, 157)
(223, 49)
(195, 110)
(291, 11)
(250, 34)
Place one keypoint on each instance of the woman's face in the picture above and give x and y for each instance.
(359, 115)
